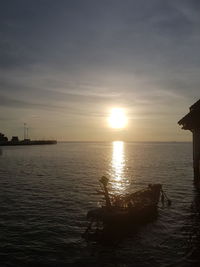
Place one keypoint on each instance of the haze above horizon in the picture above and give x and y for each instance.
(65, 65)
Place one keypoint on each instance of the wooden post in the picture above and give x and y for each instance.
(196, 154)
(191, 122)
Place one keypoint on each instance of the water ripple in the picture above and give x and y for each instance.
(46, 192)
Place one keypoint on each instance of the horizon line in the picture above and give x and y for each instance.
(96, 141)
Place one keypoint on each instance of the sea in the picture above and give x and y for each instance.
(46, 192)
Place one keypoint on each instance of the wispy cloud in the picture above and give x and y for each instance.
(82, 57)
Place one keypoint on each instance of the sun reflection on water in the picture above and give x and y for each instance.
(118, 181)
(118, 160)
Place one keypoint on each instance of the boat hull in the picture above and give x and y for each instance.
(140, 207)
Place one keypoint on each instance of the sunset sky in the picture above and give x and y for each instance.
(65, 64)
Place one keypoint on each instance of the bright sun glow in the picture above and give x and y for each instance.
(117, 118)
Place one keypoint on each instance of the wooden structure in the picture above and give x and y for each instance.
(192, 122)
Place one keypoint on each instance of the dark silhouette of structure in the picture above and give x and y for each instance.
(3, 138)
(192, 122)
(15, 139)
(16, 142)
(121, 213)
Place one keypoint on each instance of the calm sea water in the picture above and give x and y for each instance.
(46, 191)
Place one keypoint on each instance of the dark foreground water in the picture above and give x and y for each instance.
(46, 191)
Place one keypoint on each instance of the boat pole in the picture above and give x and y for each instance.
(104, 181)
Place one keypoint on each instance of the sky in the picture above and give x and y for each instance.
(64, 64)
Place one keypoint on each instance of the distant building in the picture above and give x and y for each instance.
(3, 138)
(192, 122)
(15, 139)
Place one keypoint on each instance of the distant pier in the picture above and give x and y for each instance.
(26, 142)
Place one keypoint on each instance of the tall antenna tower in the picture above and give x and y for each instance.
(24, 131)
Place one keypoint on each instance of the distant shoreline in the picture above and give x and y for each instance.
(28, 143)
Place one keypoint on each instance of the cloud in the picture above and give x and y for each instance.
(16, 103)
(81, 57)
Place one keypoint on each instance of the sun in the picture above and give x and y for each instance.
(117, 118)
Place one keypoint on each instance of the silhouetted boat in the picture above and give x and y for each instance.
(123, 211)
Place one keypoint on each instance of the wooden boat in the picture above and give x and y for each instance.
(122, 211)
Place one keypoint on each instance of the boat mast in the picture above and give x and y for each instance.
(104, 182)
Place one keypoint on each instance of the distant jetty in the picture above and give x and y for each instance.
(26, 142)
